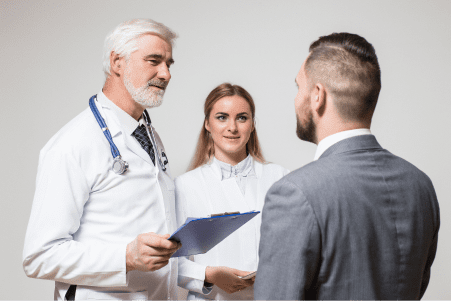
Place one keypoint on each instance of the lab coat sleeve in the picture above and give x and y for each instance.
(191, 275)
(290, 247)
(50, 251)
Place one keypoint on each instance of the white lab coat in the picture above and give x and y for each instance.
(202, 192)
(84, 215)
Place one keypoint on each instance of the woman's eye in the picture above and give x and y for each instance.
(221, 118)
(242, 118)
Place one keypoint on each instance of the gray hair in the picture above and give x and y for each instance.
(122, 40)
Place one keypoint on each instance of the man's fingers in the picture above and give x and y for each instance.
(160, 259)
(153, 253)
(158, 241)
(150, 252)
(160, 252)
(159, 265)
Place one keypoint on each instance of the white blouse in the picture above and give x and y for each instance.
(239, 172)
(206, 190)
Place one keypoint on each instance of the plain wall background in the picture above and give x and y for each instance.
(51, 52)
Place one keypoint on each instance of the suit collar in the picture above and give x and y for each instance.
(364, 142)
(327, 142)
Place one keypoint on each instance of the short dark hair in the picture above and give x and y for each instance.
(347, 65)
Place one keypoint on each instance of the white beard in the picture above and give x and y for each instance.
(146, 96)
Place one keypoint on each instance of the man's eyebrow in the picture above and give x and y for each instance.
(155, 56)
(159, 56)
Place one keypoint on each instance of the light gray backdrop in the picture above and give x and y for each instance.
(51, 51)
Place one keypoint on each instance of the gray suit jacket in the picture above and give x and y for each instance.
(359, 223)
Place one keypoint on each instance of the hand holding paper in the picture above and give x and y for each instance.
(228, 279)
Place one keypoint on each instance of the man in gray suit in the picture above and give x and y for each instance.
(358, 222)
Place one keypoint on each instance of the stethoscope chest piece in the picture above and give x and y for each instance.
(119, 165)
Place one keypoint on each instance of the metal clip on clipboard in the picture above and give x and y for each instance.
(225, 213)
(199, 235)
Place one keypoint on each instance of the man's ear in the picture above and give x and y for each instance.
(318, 99)
(117, 64)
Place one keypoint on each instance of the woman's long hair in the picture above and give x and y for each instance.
(205, 149)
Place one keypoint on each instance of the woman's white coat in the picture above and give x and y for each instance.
(202, 192)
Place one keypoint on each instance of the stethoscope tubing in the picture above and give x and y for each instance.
(114, 150)
(152, 137)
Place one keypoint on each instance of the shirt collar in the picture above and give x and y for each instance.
(327, 142)
(224, 171)
(141, 121)
(127, 123)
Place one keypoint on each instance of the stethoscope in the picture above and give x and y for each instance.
(120, 166)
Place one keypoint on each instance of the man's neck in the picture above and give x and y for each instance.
(118, 94)
(330, 140)
(337, 125)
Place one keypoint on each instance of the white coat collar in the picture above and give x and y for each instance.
(123, 120)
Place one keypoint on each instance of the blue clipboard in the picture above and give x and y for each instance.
(199, 235)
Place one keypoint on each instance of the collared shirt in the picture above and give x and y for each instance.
(327, 142)
(84, 214)
(240, 172)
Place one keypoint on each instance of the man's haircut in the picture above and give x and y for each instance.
(346, 64)
(122, 40)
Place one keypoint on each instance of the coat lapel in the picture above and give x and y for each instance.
(134, 146)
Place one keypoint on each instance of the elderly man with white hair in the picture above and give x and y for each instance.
(104, 200)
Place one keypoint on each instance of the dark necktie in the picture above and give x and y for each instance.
(141, 135)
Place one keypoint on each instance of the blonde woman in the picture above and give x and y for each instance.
(228, 173)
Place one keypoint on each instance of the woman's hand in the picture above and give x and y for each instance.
(227, 278)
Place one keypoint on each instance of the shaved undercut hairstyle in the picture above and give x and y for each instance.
(346, 64)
